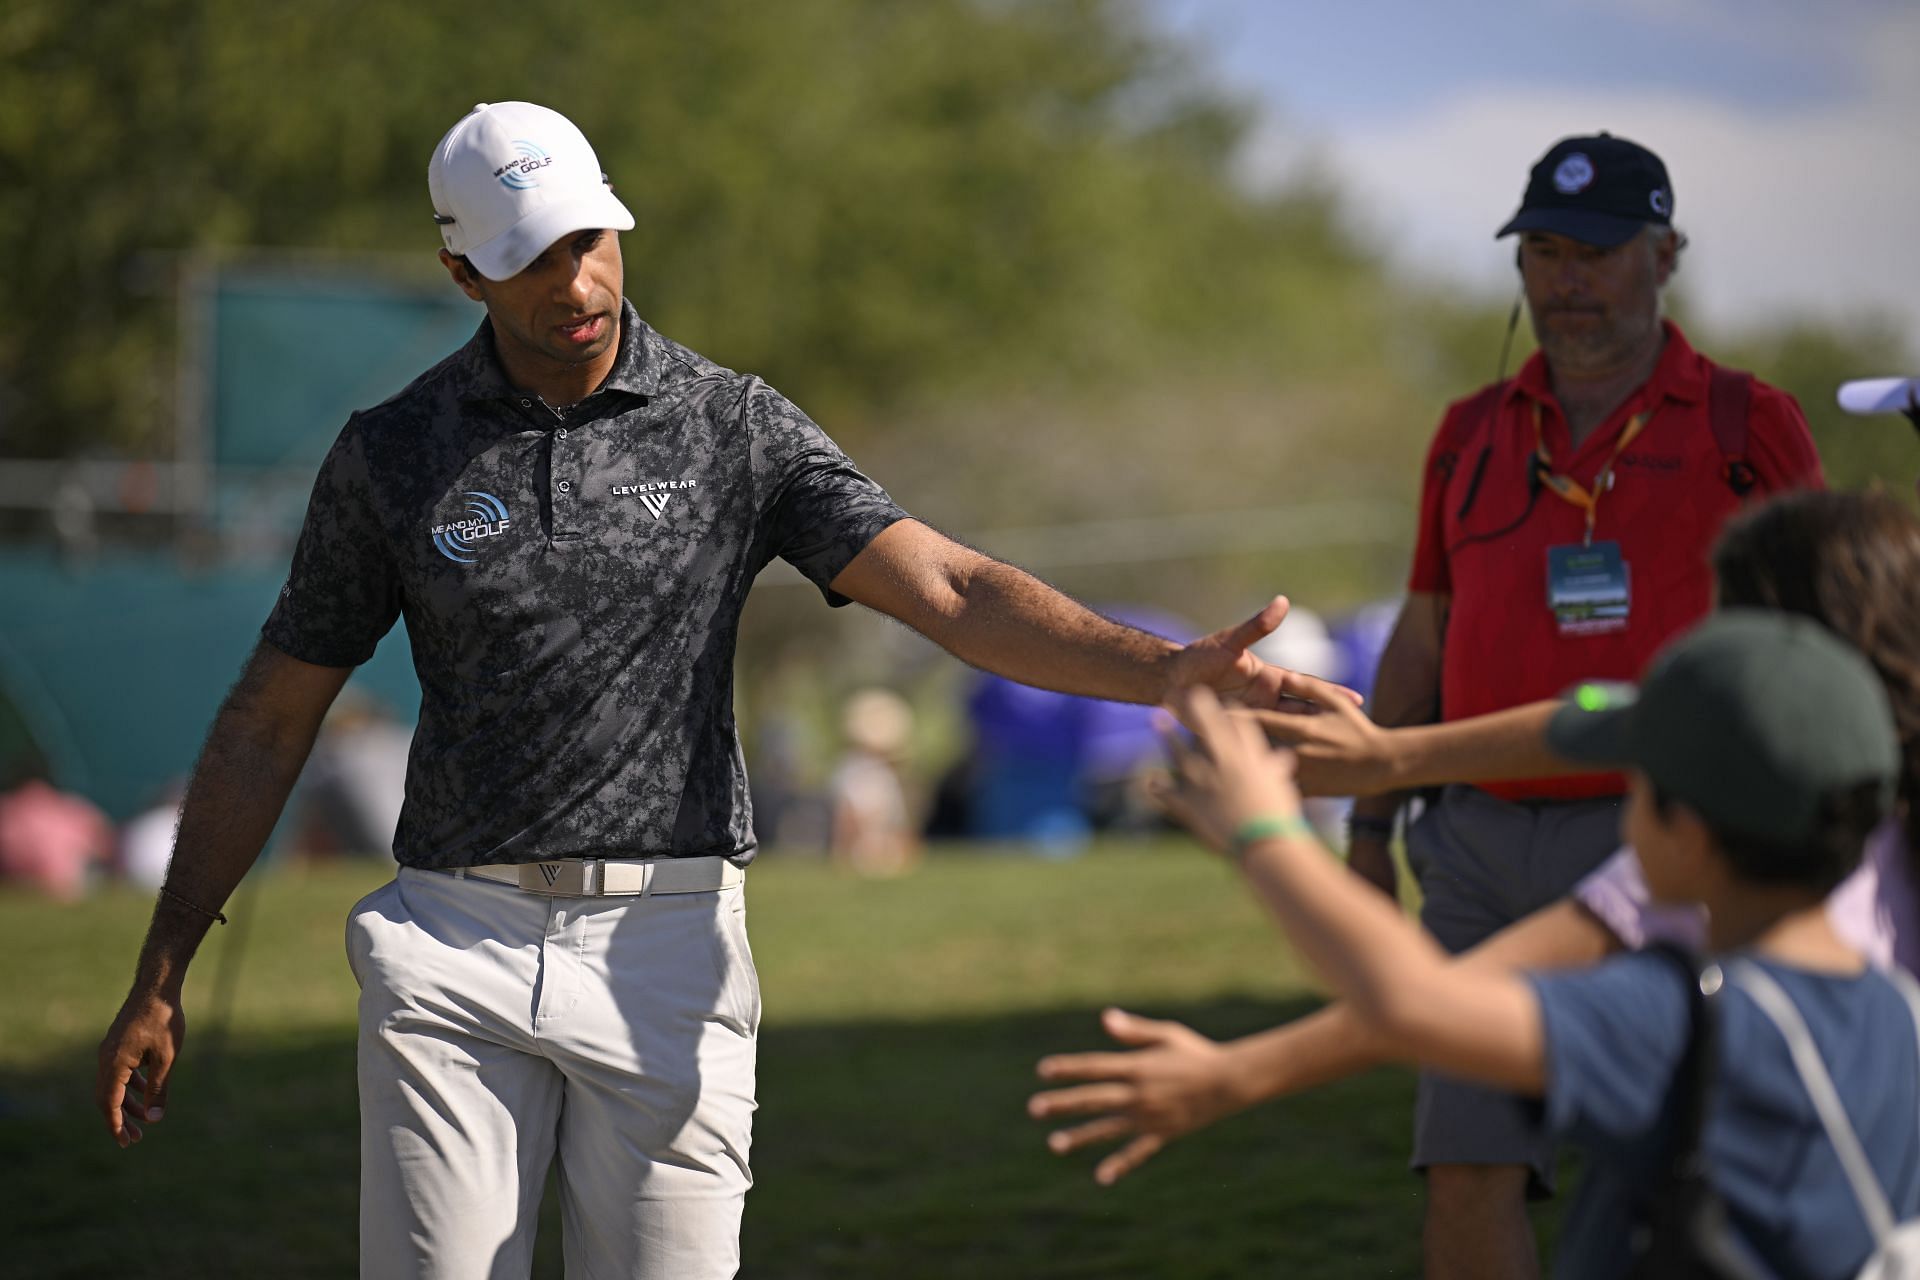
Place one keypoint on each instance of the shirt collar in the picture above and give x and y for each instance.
(1680, 375)
(636, 370)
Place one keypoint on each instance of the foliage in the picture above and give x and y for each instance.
(959, 232)
(1811, 361)
(865, 200)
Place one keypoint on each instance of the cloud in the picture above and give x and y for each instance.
(1801, 212)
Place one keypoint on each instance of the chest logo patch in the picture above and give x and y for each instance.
(654, 495)
(460, 540)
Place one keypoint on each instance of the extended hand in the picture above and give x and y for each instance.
(148, 1033)
(1172, 1082)
(1339, 752)
(1226, 776)
(1222, 662)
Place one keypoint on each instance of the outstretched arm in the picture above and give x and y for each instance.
(1481, 1024)
(1345, 753)
(1171, 1080)
(1001, 619)
(259, 740)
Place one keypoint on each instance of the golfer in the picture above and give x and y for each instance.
(569, 511)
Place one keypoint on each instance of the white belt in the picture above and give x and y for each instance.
(600, 877)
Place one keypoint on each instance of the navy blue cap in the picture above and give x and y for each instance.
(1600, 191)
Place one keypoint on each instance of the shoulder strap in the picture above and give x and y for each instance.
(1477, 416)
(1780, 1010)
(1484, 401)
(1693, 1078)
(1729, 395)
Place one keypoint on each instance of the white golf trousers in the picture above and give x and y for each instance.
(500, 1030)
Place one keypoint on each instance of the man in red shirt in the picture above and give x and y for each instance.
(1565, 519)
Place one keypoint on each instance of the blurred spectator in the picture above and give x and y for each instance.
(146, 841)
(873, 831)
(789, 816)
(50, 840)
(355, 781)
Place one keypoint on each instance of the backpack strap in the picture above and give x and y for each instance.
(1693, 1076)
(1729, 395)
(1780, 1010)
(1479, 412)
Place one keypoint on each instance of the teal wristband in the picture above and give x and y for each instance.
(1289, 826)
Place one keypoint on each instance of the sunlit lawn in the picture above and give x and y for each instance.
(902, 1021)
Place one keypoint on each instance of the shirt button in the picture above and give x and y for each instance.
(565, 487)
(562, 433)
(526, 404)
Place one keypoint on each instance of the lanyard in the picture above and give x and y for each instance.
(1569, 489)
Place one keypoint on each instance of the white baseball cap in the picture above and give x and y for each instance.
(1879, 395)
(511, 178)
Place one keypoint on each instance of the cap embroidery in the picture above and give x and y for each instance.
(1574, 175)
(1658, 199)
(519, 173)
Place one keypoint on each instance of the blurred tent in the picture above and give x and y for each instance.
(1044, 766)
(116, 670)
(293, 346)
(113, 662)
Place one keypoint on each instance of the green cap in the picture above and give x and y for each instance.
(1748, 720)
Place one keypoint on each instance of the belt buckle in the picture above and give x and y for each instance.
(561, 879)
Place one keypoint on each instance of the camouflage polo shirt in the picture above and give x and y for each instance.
(572, 582)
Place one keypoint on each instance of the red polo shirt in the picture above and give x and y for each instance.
(1668, 501)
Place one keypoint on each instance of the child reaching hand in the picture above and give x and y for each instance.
(1761, 752)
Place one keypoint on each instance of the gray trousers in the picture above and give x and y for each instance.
(502, 1032)
(1482, 864)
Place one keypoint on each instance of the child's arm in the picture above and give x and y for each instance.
(1485, 1025)
(1170, 1080)
(1342, 752)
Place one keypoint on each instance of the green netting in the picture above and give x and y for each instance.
(293, 355)
(114, 672)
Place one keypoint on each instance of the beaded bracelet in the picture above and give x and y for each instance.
(191, 905)
(1271, 827)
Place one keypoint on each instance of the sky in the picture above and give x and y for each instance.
(1790, 129)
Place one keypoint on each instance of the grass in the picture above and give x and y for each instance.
(902, 1021)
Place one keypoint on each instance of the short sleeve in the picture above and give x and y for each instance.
(1616, 893)
(342, 593)
(1615, 1036)
(1779, 445)
(817, 511)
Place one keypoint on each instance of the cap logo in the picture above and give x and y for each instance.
(1657, 198)
(519, 173)
(1574, 175)
(458, 539)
